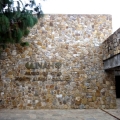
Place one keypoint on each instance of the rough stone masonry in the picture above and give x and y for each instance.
(62, 68)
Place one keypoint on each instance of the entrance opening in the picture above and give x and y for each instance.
(117, 83)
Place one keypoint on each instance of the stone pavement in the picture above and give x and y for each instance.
(93, 114)
(115, 112)
(57, 114)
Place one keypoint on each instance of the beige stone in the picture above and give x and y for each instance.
(84, 101)
(72, 40)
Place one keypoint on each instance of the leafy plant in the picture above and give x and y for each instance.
(15, 21)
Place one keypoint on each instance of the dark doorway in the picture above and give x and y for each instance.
(117, 83)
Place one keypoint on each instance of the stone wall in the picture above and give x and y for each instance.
(111, 46)
(62, 67)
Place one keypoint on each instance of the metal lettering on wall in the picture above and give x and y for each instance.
(43, 71)
(43, 65)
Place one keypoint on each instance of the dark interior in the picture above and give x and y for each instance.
(117, 83)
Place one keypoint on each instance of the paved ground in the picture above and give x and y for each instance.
(55, 115)
(76, 114)
(115, 112)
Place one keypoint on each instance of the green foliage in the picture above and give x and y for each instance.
(4, 23)
(26, 32)
(24, 44)
(16, 21)
(40, 14)
(18, 36)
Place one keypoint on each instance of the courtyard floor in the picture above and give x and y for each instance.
(73, 114)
